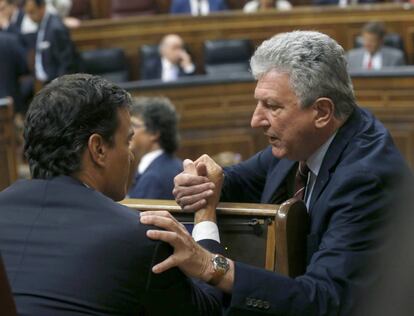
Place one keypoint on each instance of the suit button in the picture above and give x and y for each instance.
(260, 303)
(266, 305)
(249, 301)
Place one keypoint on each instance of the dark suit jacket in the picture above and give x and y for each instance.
(157, 182)
(69, 250)
(183, 6)
(152, 69)
(59, 56)
(16, 26)
(348, 210)
(12, 66)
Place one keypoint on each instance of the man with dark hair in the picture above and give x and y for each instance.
(155, 140)
(55, 53)
(68, 248)
(373, 54)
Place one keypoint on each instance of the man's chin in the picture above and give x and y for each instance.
(278, 152)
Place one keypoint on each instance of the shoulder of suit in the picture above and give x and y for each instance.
(392, 50)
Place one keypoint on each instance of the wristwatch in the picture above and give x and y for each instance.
(220, 267)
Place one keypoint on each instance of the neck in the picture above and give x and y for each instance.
(88, 179)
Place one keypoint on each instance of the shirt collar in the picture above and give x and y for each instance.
(314, 162)
(147, 159)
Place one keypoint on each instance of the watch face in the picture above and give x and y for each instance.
(221, 262)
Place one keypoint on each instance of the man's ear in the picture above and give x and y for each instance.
(97, 149)
(325, 110)
(155, 136)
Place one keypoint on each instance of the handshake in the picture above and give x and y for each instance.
(197, 189)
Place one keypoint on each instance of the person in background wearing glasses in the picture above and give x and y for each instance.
(155, 140)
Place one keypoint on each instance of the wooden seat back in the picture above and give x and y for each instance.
(265, 235)
(8, 163)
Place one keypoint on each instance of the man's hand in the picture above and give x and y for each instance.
(192, 187)
(215, 174)
(185, 60)
(190, 257)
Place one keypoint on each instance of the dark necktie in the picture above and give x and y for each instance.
(301, 179)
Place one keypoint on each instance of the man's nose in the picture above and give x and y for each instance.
(259, 117)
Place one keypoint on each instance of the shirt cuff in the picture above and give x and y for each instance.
(189, 69)
(206, 230)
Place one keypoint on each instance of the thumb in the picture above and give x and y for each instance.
(189, 167)
(201, 169)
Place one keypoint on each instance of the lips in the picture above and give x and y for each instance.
(271, 138)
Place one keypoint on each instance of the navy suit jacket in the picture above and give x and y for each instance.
(183, 6)
(157, 182)
(332, 2)
(12, 66)
(152, 69)
(70, 250)
(348, 211)
(59, 56)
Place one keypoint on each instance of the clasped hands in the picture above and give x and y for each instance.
(196, 189)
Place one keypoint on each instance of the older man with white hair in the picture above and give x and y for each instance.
(324, 149)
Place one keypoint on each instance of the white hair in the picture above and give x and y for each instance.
(316, 65)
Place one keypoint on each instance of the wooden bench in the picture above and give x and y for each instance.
(8, 164)
(263, 235)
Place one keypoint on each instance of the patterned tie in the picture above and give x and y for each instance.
(301, 179)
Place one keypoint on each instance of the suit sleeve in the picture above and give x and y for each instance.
(64, 52)
(400, 59)
(175, 7)
(245, 181)
(172, 293)
(20, 57)
(337, 270)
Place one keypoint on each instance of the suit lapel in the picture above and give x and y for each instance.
(341, 140)
(275, 179)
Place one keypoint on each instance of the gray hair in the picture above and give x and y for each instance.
(315, 63)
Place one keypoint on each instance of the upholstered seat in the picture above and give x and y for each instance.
(109, 63)
(227, 56)
(123, 8)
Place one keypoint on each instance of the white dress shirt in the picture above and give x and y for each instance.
(376, 61)
(209, 230)
(147, 159)
(199, 7)
(40, 46)
(170, 71)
